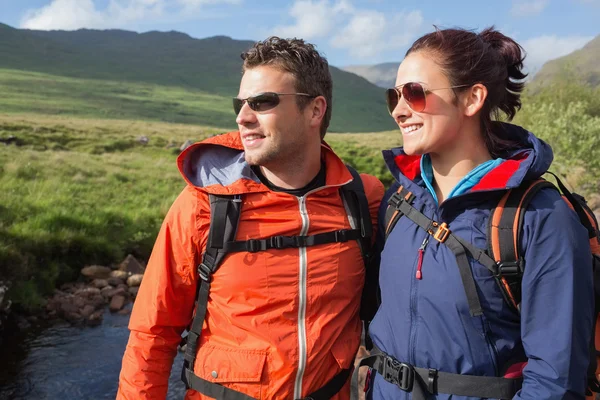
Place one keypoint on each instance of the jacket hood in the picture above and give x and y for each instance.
(529, 161)
(218, 166)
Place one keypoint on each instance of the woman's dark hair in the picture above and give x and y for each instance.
(489, 58)
(302, 60)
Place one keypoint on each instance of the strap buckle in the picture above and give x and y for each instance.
(442, 232)
(398, 373)
(341, 236)
(205, 272)
(253, 245)
(510, 268)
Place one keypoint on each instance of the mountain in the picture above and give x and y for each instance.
(383, 75)
(582, 65)
(210, 66)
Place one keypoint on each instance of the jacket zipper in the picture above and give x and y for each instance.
(419, 274)
(302, 276)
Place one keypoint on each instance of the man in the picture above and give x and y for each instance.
(281, 323)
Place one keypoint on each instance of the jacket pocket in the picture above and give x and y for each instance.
(238, 369)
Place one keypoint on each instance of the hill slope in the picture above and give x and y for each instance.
(581, 66)
(383, 75)
(210, 66)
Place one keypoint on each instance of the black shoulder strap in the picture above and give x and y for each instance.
(357, 206)
(224, 219)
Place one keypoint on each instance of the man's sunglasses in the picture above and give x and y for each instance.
(263, 101)
(414, 94)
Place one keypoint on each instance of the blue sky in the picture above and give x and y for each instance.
(348, 32)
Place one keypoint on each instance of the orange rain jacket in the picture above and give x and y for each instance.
(253, 339)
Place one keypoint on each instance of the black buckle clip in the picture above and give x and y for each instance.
(398, 373)
(205, 272)
(341, 236)
(395, 200)
(510, 268)
(253, 245)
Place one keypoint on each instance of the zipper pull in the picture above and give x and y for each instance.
(419, 275)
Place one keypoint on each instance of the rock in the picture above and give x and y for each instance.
(185, 145)
(96, 318)
(97, 301)
(125, 311)
(118, 274)
(117, 303)
(106, 290)
(114, 282)
(99, 283)
(5, 303)
(131, 265)
(66, 307)
(116, 292)
(96, 272)
(73, 317)
(135, 280)
(143, 140)
(88, 291)
(87, 311)
(133, 291)
(123, 286)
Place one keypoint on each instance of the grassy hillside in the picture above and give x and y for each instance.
(170, 59)
(582, 66)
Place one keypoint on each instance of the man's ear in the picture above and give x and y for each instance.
(317, 109)
(474, 98)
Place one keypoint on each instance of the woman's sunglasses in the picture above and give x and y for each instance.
(263, 101)
(414, 94)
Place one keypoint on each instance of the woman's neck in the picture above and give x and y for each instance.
(453, 164)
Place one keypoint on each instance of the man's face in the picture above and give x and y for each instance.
(278, 136)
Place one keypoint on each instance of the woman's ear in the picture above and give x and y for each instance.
(474, 99)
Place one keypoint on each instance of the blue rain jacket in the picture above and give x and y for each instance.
(426, 322)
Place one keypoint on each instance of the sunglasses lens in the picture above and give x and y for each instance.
(263, 102)
(237, 105)
(414, 95)
(391, 97)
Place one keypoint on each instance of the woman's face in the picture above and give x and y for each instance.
(438, 126)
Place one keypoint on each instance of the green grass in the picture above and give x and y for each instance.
(34, 92)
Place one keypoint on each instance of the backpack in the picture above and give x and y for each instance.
(225, 214)
(503, 256)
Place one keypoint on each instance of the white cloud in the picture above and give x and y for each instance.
(364, 33)
(545, 48)
(369, 33)
(75, 14)
(314, 19)
(528, 8)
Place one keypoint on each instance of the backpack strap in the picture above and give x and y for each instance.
(357, 207)
(504, 233)
(393, 213)
(222, 229)
(401, 202)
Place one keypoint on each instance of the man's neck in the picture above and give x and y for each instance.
(294, 176)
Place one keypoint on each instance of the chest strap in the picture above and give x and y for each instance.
(423, 382)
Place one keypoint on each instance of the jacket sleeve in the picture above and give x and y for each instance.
(557, 301)
(164, 305)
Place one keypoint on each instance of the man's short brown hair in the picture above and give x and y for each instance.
(309, 68)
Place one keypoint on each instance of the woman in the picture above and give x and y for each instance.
(444, 330)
